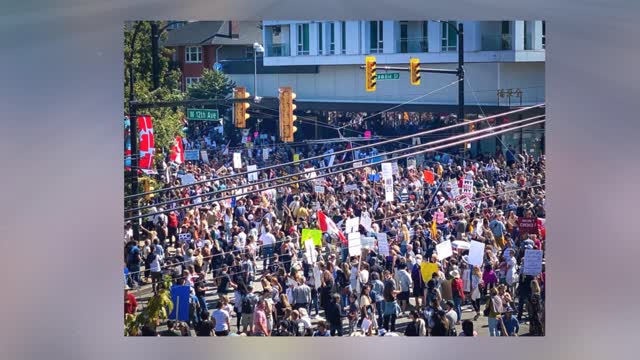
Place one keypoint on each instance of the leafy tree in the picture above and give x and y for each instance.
(167, 122)
(157, 310)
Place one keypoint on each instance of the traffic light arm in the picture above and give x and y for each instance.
(398, 68)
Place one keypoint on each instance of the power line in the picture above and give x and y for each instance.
(335, 153)
(324, 168)
(342, 171)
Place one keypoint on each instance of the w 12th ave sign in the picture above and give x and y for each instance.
(388, 76)
(203, 114)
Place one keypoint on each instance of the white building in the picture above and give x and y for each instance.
(498, 55)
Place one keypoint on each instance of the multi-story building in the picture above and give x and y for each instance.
(499, 55)
(200, 45)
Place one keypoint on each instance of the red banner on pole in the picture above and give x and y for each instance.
(147, 149)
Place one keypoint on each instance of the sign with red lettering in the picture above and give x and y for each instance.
(528, 225)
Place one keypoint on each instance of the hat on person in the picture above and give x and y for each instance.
(455, 274)
(450, 303)
(509, 309)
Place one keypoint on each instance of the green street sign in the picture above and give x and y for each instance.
(388, 76)
(203, 114)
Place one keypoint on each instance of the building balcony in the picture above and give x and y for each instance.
(276, 50)
(414, 45)
(497, 42)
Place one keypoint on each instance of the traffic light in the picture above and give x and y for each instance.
(146, 183)
(414, 67)
(240, 115)
(370, 73)
(286, 96)
(472, 128)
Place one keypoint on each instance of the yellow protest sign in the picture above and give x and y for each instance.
(296, 157)
(315, 235)
(427, 269)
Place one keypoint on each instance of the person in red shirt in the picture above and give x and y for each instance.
(130, 302)
(172, 225)
(457, 289)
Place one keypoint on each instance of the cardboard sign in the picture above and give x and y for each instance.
(313, 234)
(383, 244)
(352, 225)
(237, 160)
(427, 269)
(204, 156)
(476, 253)
(532, 262)
(253, 175)
(528, 225)
(355, 245)
(444, 250)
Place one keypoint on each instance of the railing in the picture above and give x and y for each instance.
(414, 45)
(278, 50)
(497, 42)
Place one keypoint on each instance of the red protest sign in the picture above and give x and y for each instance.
(528, 225)
(429, 177)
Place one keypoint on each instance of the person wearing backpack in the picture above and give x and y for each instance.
(247, 307)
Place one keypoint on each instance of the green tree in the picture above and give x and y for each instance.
(157, 310)
(167, 122)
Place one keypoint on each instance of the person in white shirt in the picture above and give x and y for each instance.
(220, 319)
(268, 242)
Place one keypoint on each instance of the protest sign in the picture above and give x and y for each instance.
(427, 269)
(465, 202)
(187, 179)
(528, 225)
(310, 251)
(331, 160)
(357, 164)
(355, 245)
(394, 167)
(368, 242)
(317, 276)
(367, 134)
(411, 163)
(313, 234)
(467, 188)
(439, 215)
(352, 225)
(444, 250)
(319, 189)
(388, 189)
(365, 220)
(253, 175)
(387, 171)
(476, 253)
(237, 160)
(350, 187)
(455, 190)
(180, 298)
(478, 228)
(204, 156)
(532, 262)
(296, 157)
(191, 155)
(184, 237)
(383, 244)
(265, 154)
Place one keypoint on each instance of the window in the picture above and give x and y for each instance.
(425, 36)
(404, 41)
(303, 39)
(344, 37)
(543, 34)
(191, 81)
(449, 36)
(376, 37)
(193, 54)
(332, 38)
(176, 25)
(505, 28)
(320, 28)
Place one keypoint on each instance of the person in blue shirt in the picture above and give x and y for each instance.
(511, 324)
(322, 330)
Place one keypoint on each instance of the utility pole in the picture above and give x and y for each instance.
(133, 119)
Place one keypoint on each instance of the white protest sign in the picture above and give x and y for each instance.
(357, 164)
(383, 244)
(476, 253)
(184, 237)
(350, 187)
(310, 173)
(455, 190)
(355, 245)
(478, 228)
(532, 262)
(265, 154)
(204, 156)
(365, 220)
(444, 250)
(387, 171)
(187, 179)
(352, 225)
(317, 276)
(253, 175)
(367, 242)
(467, 188)
(394, 167)
(411, 163)
(237, 160)
(310, 251)
(388, 189)
(331, 160)
(319, 189)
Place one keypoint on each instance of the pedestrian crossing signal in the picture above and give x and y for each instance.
(370, 73)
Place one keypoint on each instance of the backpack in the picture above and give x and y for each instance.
(247, 307)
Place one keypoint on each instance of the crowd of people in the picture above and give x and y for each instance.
(250, 274)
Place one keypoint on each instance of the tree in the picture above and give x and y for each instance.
(157, 310)
(167, 122)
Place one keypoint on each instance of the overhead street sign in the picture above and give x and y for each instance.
(388, 76)
(203, 114)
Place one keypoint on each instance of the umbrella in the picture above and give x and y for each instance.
(460, 244)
